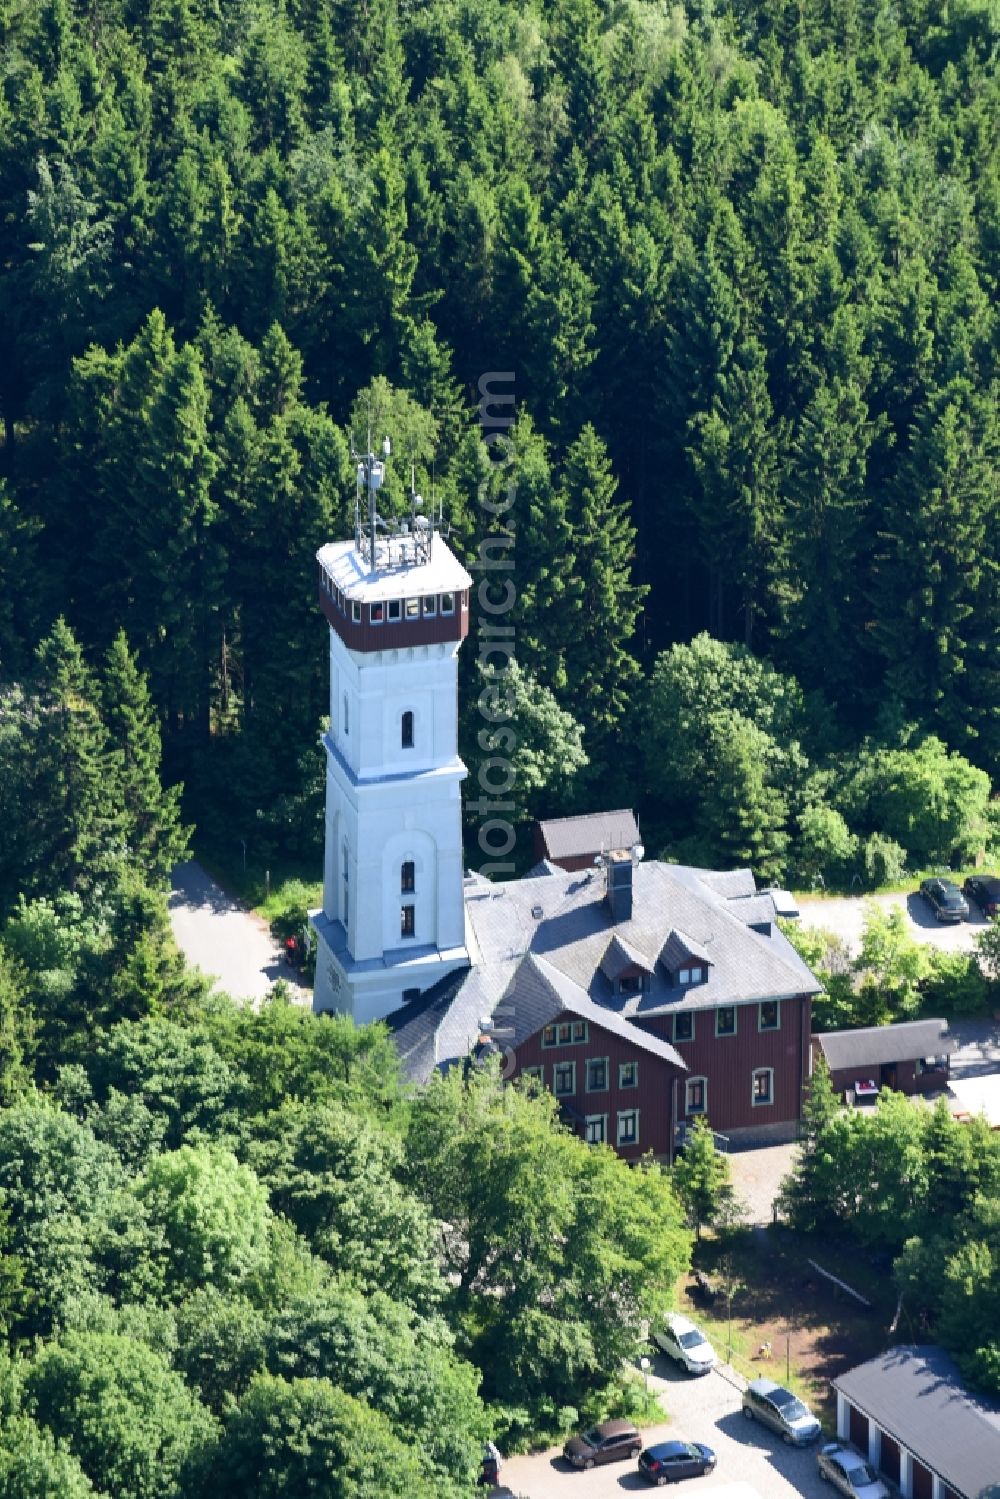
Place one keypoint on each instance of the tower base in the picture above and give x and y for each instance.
(371, 990)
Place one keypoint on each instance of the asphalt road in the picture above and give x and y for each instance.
(225, 940)
(705, 1409)
(844, 916)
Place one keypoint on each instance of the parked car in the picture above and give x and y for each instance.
(983, 890)
(682, 1341)
(669, 1462)
(785, 1413)
(849, 1473)
(607, 1443)
(945, 899)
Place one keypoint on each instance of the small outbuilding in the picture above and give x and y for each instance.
(910, 1413)
(912, 1057)
(575, 842)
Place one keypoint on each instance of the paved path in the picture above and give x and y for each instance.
(705, 1409)
(757, 1175)
(844, 916)
(225, 940)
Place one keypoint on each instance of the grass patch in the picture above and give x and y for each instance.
(270, 891)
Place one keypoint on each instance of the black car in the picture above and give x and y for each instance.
(669, 1462)
(983, 890)
(945, 899)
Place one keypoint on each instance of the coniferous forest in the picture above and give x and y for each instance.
(743, 262)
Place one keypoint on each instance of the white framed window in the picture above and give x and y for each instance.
(769, 1015)
(697, 974)
(395, 610)
(356, 611)
(566, 1033)
(684, 977)
(628, 1074)
(407, 921)
(430, 606)
(763, 1086)
(447, 603)
(725, 1020)
(597, 1075)
(628, 1127)
(684, 1026)
(595, 1129)
(564, 1079)
(376, 613)
(696, 1095)
(413, 608)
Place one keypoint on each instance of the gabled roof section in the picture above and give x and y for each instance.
(680, 950)
(619, 956)
(572, 837)
(916, 1394)
(877, 1045)
(538, 994)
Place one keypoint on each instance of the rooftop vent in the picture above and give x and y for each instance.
(537, 912)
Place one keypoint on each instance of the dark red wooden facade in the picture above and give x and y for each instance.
(859, 1429)
(903, 1077)
(653, 1096)
(729, 1063)
(392, 635)
(923, 1481)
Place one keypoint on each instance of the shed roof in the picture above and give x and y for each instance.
(916, 1394)
(879, 1044)
(572, 837)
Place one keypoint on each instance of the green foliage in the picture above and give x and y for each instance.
(293, 1436)
(123, 1413)
(33, 1465)
(701, 1177)
(892, 965)
(932, 803)
(557, 1251)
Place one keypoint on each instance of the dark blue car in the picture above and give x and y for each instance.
(669, 1462)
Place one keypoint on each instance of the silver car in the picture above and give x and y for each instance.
(774, 1406)
(849, 1473)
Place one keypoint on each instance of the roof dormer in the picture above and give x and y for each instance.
(685, 961)
(627, 970)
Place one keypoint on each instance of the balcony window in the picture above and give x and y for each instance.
(564, 1079)
(763, 1085)
(769, 1015)
(696, 1095)
(597, 1075)
(684, 1026)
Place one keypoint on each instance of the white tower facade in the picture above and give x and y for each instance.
(393, 917)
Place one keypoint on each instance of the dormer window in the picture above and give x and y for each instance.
(406, 730)
(691, 976)
(633, 983)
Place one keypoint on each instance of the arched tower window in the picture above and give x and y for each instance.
(406, 736)
(407, 878)
(346, 878)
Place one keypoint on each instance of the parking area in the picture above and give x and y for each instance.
(844, 915)
(705, 1409)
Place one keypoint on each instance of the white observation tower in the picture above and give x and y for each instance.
(393, 918)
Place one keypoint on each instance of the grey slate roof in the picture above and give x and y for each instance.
(618, 957)
(916, 1394)
(572, 936)
(680, 950)
(570, 837)
(879, 1044)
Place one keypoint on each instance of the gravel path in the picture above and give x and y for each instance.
(757, 1175)
(705, 1409)
(225, 940)
(844, 915)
